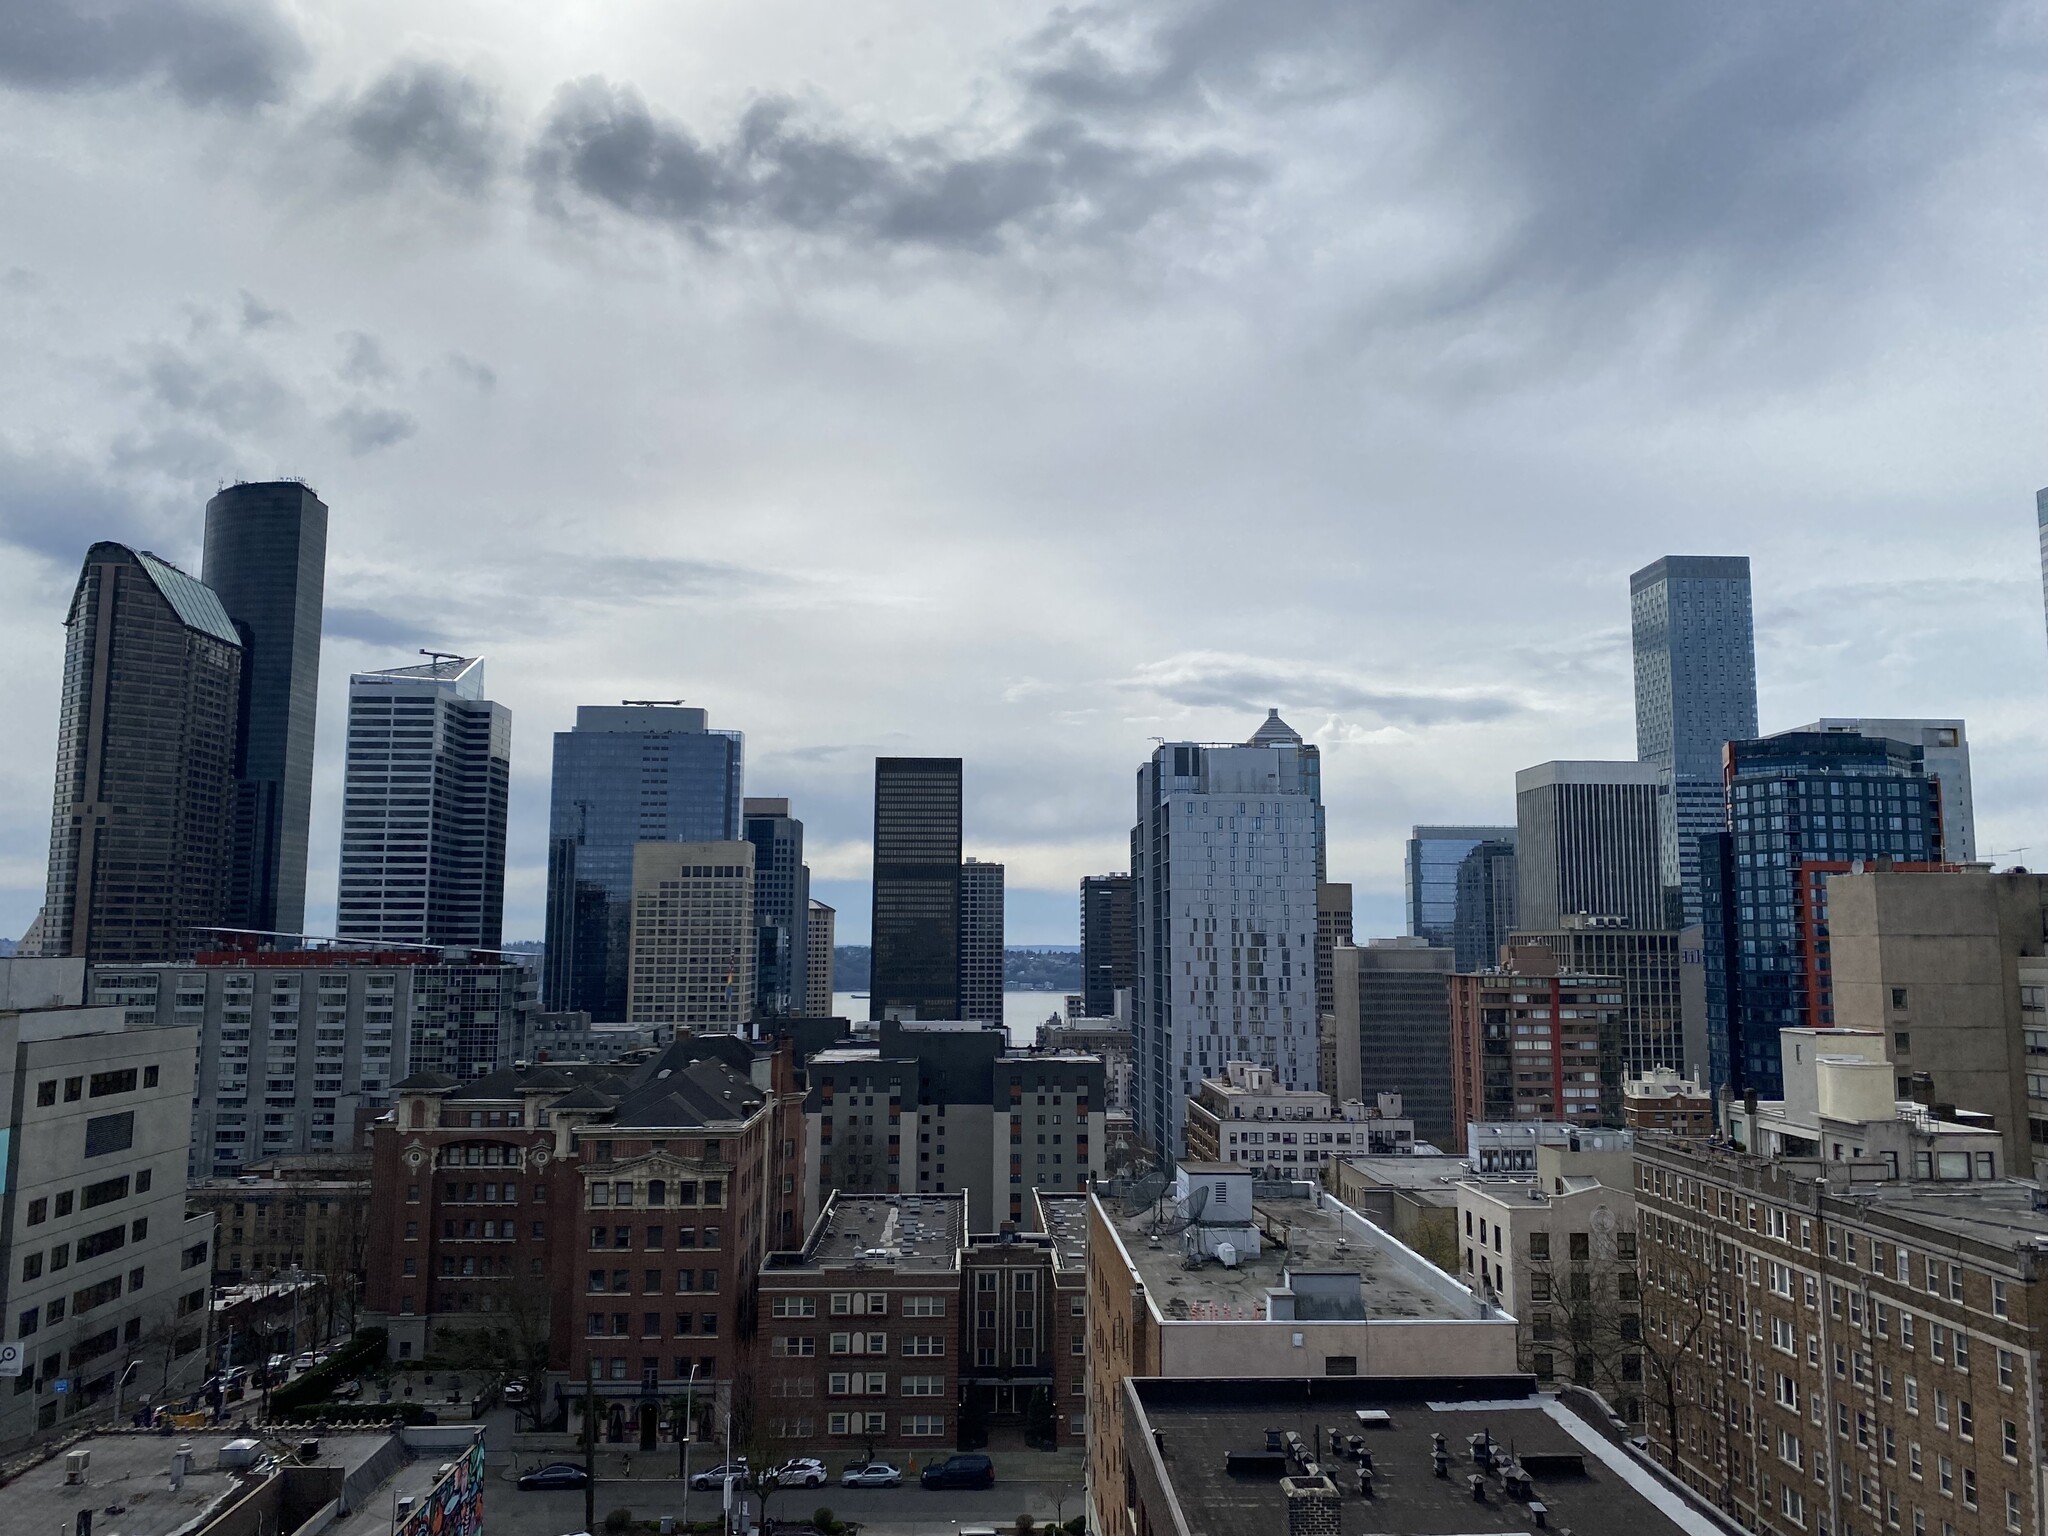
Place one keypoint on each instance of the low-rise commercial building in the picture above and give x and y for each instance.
(1246, 1117)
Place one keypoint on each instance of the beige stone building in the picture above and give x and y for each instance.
(693, 950)
(1949, 966)
(1245, 1116)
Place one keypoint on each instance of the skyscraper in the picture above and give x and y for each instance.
(142, 820)
(693, 940)
(818, 958)
(1695, 666)
(1333, 927)
(1435, 855)
(1394, 996)
(423, 807)
(266, 555)
(782, 918)
(981, 942)
(915, 927)
(1486, 904)
(1801, 806)
(1225, 861)
(627, 774)
(1108, 930)
(1946, 754)
(1587, 841)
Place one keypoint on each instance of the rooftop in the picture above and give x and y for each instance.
(1586, 1483)
(1066, 1220)
(133, 1471)
(1298, 1234)
(899, 1232)
(1412, 1170)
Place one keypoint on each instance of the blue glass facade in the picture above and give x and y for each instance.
(1797, 803)
(782, 901)
(1435, 857)
(626, 774)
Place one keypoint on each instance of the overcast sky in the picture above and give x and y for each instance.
(1024, 382)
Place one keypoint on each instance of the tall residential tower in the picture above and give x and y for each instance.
(423, 807)
(266, 556)
(627, 774)
(1108, 928)
(142, 822)
(1695, 668)
(1226, 858)
(981, 941)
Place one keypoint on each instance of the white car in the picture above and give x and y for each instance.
(801, 1472)
(716, 1476)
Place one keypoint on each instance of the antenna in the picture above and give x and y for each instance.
(650, 701)
(437, 657)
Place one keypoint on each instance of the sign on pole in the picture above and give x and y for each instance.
(13, 1359)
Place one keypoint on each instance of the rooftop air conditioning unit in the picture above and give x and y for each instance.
(75, 1463)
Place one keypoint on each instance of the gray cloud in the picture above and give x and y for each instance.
(364, 360)
(603, 143)
(233, 390)
(482, 375)
(367, 428)
(227, 53)
(426, 116)
(1209, 679)
(54, 504)
(372, 627)
(259, 316)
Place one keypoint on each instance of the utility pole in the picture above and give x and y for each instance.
(589, 1443)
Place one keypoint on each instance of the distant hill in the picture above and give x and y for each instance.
(1046, 968)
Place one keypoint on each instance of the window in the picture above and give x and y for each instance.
(38, 1211)
(1539, 1245)
(104, 1083)
(46, 1094)
(794, 1306)
(924, 1306)
(109, 1133)
(923, 1426)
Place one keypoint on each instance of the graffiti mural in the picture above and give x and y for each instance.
(455, 1505)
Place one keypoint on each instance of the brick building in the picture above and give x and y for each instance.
(1663, 1100)
(1530, 1041)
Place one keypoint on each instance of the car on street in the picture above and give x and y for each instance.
(715, 1477)
(279, 1364)
(560, 1474)
(967, 1471)
(515, 1393)
(801, 1472)
(871, 1474)
(304, 1363)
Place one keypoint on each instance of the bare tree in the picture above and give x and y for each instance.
(519, 1343)
(1685, 1328)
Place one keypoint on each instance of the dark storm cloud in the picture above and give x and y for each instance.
(602, 142)
(367, 428)
(228, 53)
(427, 116)
(1732, 146)
(1203, 679)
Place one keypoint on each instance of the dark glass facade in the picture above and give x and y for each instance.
(1796, 801)
(1109, 934)
(140, 828)
(266, 556)
(626, 774)
(782, 899)
(915, 930)
(981, 942)
(1485, 914)
(1435, 855)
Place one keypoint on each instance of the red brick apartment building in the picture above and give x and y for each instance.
(1531, 1043)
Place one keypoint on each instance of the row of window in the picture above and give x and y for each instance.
(619, 1282)
(79, 1303)
(656, 1238)
(104, 1192)
(98, 1086)
(619, 1324)
(91, 1246)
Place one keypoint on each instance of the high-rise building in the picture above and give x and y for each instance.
(1434, 858)
(1109, 930)
(693, 936)
(818, 958)
(324, 1033)
(423, 807)
(142, 825)
(1333, 927)
(104, 1264)
(782, 918)
(1486, 904)
(1531, 1040)
(1801, 806)
(266, 556)
(1646, 962)
(627, 774)
(1587, 841)
(1394, 1018)
(1226, 859)
(981, 941)
(1946, 753)
(915, 927)
(1695, 669)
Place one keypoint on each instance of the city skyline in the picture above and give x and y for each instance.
(704, 435)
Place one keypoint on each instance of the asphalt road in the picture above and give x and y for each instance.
(910, 1511)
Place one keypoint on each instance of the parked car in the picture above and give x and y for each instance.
(516, 1393)
(871, 1474)
(560, 1474)
(715, 1477)
(801, 1472)
(305, 1362)
(278, 1365)
(968, 1471)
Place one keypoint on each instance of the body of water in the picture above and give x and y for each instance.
(1023, 1012)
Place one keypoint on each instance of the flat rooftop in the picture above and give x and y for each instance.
(1420, 1171)
(902, 1232)
(134, 1471)
(1612, 1496)
(2001, 1215)
(1320, 1238)
(1066, 1222)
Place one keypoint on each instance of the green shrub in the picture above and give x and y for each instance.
(317, 1385)
(1078, 1526)
(821, 1518)
(355, 1413)
(620, 1519)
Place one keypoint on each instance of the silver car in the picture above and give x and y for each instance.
(871, 1474)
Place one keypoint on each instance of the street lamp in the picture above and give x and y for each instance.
(688, 1428)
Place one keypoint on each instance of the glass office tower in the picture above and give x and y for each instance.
(915, 926)
(266, 555)
(1485, 913)
(1109, 929)
(628, 773)
(1695, 675)
(1801, 805)
(782, 899)
(140, 828)
(1435, 855)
